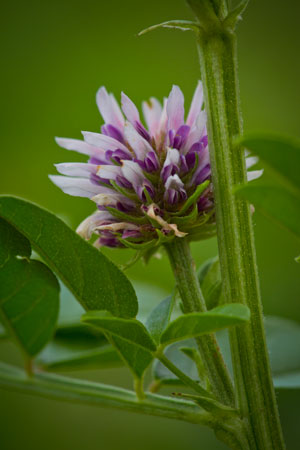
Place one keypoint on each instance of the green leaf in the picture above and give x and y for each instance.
(131, 330)
(159, 318)
(94, 280)
(193, 198)
(275, 202)
(196, 324)
(210, 280)
(69, 355)
(29, 294)
(183, 25)
(283, 337)
(134, 356)
(280, 201)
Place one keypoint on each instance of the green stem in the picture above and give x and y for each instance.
(188, 285)
(184, 378)
(79, 391)
(253, 381)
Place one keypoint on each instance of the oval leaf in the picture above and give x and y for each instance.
(159, 318)
(196, 324)
(94, 280)
(130, 330)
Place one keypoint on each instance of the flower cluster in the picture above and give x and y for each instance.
(150, 183)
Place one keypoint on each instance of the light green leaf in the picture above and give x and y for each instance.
(94, 280)
(183, 25)
(196, 324)
(209, 276)
(235, 14)
(29, 294)
(159, 318)
(131, 330)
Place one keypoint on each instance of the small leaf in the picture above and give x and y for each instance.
(131, 330)
(183, 25)
(29, 302)
(235, 15)
(210, 281)
(159, 318)
(196, 324)
(94, 280)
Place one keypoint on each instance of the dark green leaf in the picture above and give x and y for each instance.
(196, 324)
(159, 318)
(277, 203)
(94, 280)
(134, 356)
(131, 330)
(210, 280)
(12, 243)
(29, 302)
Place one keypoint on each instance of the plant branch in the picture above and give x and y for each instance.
(79, 391)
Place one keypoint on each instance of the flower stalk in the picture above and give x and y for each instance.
(193, 301)
(253, 381)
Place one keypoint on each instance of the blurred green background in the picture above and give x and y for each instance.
(55, 54)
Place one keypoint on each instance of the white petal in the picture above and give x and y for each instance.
(254, 174)
(139, 145)
(197, 132)
(76, 169)
(79, 187)
(109, 172)
(152, 112)
(196, 105)
(133, 173)
(251, 161)
(80, 146)
(118, 226)
(109, 108)
(173, 157)
(110, 198)
(102, 141)
(86, 228)
(175, 108)
(129, 109)
(174, 182)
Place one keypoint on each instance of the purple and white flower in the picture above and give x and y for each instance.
(150, 182)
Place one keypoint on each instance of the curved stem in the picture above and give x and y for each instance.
(188, 285)
(79, 391)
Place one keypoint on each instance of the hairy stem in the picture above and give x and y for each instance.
(188, 285)
(254, 387)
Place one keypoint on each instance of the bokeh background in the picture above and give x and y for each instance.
(55, 54)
